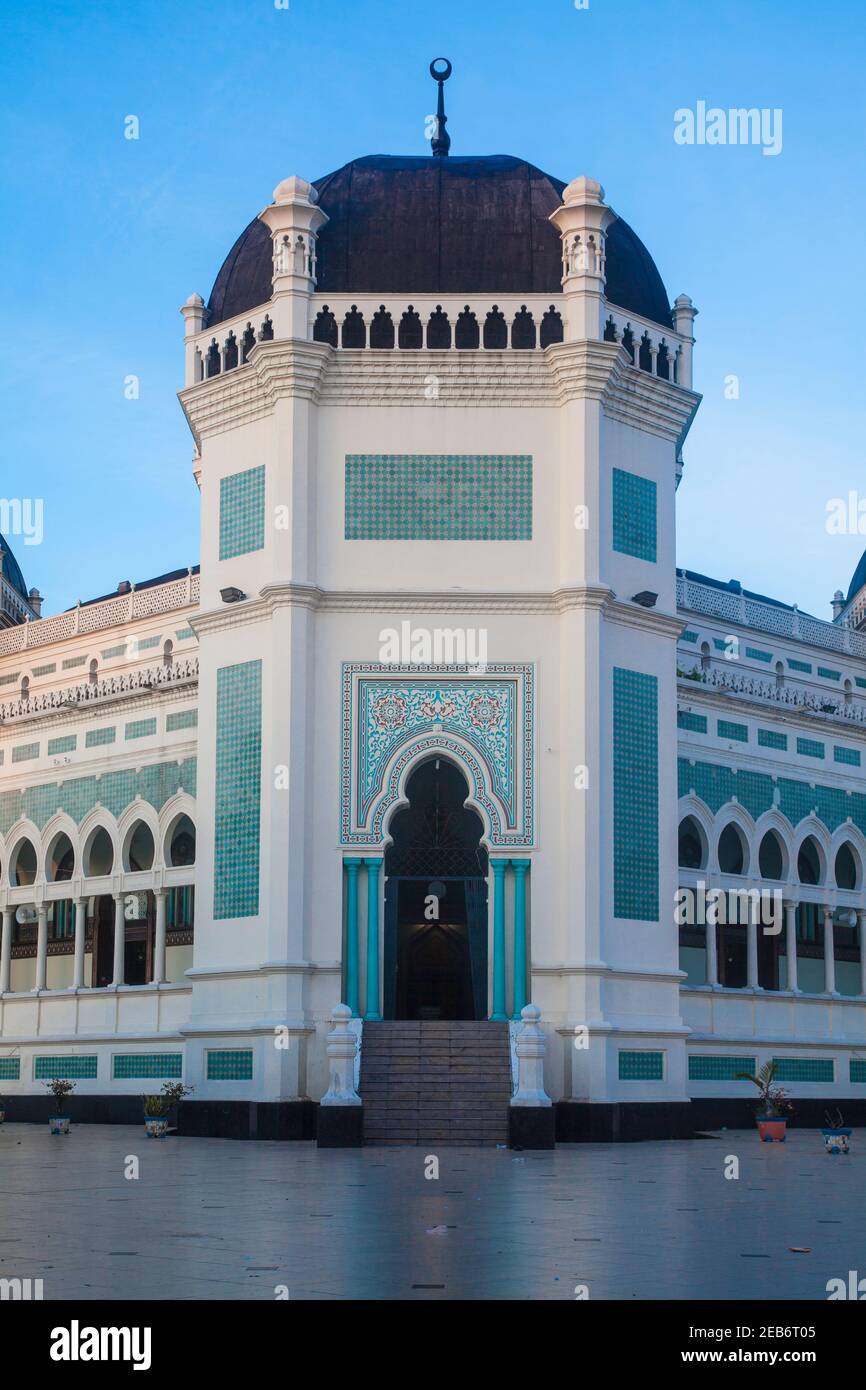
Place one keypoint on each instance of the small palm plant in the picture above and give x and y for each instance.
(774, 1103)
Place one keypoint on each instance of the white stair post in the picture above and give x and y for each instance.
(530, 1047)
(342, 1047)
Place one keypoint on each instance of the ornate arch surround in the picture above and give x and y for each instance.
(394, 715)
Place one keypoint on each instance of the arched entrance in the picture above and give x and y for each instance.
(436, 901)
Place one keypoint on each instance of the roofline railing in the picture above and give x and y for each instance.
(114, 611)
(737, 607)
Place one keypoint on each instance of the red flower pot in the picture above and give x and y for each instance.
(772, 1131)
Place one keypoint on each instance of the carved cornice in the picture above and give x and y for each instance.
(604, 372)
(646, 619)
(512, 379)
(438, 379)
(590, 597)
(284, 367)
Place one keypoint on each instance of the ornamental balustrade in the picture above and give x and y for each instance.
(751, 687)
(735, 607)
(437, 323)
(96, 617)
(182, 672)
(660, 353)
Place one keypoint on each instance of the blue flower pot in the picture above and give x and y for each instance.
(836, 1140)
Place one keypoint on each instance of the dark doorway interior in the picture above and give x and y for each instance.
(436, 902)
(103, 942)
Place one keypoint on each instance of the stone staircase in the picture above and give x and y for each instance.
(444, 1083)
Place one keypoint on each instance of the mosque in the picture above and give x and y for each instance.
(438, 729)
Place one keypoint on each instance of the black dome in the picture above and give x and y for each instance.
(427, 225)
(10, 569)
(858, 578)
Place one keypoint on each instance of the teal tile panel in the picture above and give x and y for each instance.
(140, 728)
(66, 744)
(184, 719)
(703, 1067)
(238, 790)
(804, 1069)
(99, 738)
(434, 497)
(72, 1068)
(148, 1065)
(635, 795)
(25, 752)
(242, 513)
(768, 738)
(641, 1066)
(850, 756)
(810, 748)
(726, 728)
(115, 790)
(694, 723)
(230, 1064)
(634, 515)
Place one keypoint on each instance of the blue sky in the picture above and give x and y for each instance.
(105, 237)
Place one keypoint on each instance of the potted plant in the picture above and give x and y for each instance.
(60, 1088)
(835, 1135)
(773, 1107)
(155, 1118)
(157, 1109)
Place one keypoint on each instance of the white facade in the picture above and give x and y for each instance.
(308, 730)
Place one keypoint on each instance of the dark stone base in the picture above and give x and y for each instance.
(711, 1113)
(244, 1119)
(340, 1126)
(213, 1119)
(579, 1122)
(82, 1110)
(532, 1126)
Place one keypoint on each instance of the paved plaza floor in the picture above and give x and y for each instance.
(217, 1219)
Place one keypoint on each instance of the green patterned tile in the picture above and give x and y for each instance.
(641, 1066)
(635, 795)
(148, 1066)
(242, 513)
(230, 1064)
(634, 515)
(707, 1067)
(73, 1068)
(238, 790)
(804, 1069)
(457, 497)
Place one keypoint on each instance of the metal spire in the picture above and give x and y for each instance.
(441, 140)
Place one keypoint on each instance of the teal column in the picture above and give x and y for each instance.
(352, 980)
(373, 1013)
(498, 867)
(520, 867)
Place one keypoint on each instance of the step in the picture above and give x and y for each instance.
(435, 1082)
